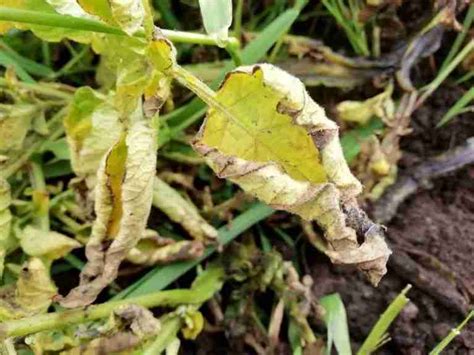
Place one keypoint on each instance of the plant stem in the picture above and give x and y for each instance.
(168, 331)
(238, 18)
(56, 20)
(452, 334)
(43, 89)
(40, 196)
(82, 24)
(205, 289)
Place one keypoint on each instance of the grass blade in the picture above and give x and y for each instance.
(336, 324)
(459, 38)
(452, 334)
(7, 61)
(457, 108)
(162, 276)
(377, 334)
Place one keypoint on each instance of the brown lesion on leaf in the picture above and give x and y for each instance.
(322, 137)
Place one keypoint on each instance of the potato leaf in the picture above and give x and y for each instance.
(92, 126)
(15, 122)
(33, 293)
(267, 135)
(129, 14)
(69, 7)
(361, 112)
(153, 249)
(46, 244)
(122, 204)
(6, 239)
(182, 211)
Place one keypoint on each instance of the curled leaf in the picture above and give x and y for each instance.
(181, 211)
(122, 204)
(153, 249)
(46, 244)
(193, 322)
(361, 112)
(33, 293)
(92, 127)
(267, 135)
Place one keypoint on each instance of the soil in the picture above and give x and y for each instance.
(435, 228)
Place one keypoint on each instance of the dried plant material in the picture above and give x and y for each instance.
(267, 135)
(361, 112)
(122, 204)
(33, 293)
(182, 211)
(46, 244)
(422, 45)
(15, 122)
(153, 249)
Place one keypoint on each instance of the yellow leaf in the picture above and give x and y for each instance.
(46, 244)
(262, 130)
(265, 133)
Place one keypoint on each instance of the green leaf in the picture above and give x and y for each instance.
(59, 148)
(217, 18)
(336, 324)
(351, 139)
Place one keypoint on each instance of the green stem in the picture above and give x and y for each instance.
(238, 18)
(50, 90)
(168, 331)
(204, 290)
(40, 196)
(82, 24)
(56, 20)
